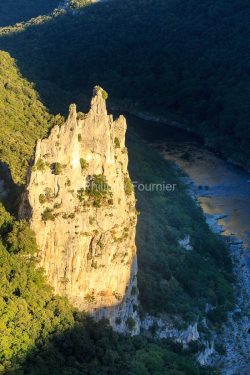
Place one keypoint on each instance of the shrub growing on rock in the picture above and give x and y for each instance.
(128, 186)
(56, 168)
(48, 214)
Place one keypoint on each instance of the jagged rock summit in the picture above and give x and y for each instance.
(81, 206)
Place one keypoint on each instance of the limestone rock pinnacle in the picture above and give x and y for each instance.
(98, 102)
(82, 209)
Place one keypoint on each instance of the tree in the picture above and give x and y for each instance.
(21, 239)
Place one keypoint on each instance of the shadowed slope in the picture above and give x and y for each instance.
(186, 59)
(13, 11)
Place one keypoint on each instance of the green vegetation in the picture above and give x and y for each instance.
(24, 119)
(12, 11)
(40, 165)
(84, 164)
(21, 239)
(176, 58)
(134, 291)
(56, 168)
(130, 323)
(29, 312)
(185, 59)
(117, 142)
(92, 349)
(57, 206)
(76, 4)
(42, 198)
(171, 279)
(42, 334)
(91, 220)
(128, 186)
(48, 196)
(48, 214)
(97, 192)
(104, 93)
(81, 194)
(80, 116)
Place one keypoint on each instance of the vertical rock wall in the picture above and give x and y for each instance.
(82, 209)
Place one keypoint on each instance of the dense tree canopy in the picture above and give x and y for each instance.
(188, 59)
(76, 4)
(28, 311)
(169, 280)
(24, 118)
(42, 334)
(13, 11)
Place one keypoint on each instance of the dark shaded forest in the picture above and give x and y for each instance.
(168, 277)
(13, 11)
(188, 60)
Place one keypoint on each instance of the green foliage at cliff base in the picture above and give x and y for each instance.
(42, 334)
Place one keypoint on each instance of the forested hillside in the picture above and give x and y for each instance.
(168, 277)
(12, 11)
(42, 334)
(46, 331)
(24, 118)
(76, 4)
(186, 59)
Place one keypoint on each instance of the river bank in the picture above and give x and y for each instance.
(222, 190)
(164, 120)
(234, 340)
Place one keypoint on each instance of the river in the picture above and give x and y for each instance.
(222, 188)
(223, 191)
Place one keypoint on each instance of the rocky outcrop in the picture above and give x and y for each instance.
(204, 357)
(81, 205)
(185, 243)
(161, 328)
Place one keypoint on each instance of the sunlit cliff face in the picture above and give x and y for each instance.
(82, 208)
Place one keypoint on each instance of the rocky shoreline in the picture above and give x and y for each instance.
(235, 338)
(229, 349)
